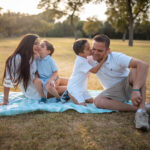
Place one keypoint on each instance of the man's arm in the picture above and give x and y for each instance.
(141, 72)
(139, 80)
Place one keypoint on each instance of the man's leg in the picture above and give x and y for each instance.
(141, 116)
(106, 103)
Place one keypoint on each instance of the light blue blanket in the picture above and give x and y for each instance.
(18, 104)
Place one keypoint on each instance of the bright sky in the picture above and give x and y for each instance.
(30, 7)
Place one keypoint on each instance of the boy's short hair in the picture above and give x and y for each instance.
(78, 46)
(49, 47)
(102, 38)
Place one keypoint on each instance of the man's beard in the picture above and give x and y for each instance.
(98, 60)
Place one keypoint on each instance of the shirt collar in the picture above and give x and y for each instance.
(108, 59)
(45, 58)
(80, 57)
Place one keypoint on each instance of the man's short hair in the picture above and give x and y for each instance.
(78, 46)
(102, 38)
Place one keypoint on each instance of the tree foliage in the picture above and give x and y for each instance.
(92, 26)
(65, 8)
(44, 24)
(123, 14)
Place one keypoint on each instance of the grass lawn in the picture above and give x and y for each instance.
(71, 130)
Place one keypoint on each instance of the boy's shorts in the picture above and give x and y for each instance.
(121, 91)
(44, 82)
(80, 96)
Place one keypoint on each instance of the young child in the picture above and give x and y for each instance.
(47, 72)
(77, 86)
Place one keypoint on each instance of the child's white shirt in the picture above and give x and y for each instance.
(79, 79)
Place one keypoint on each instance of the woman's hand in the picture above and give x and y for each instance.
(6, 94)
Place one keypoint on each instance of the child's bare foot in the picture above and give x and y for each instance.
(4, 103)
(89, 100)
(83, 103)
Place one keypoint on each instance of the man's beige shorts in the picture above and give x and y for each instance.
(121, 91)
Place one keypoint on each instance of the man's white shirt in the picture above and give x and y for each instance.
(114, 70)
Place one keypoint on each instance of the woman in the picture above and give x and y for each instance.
(20, 68)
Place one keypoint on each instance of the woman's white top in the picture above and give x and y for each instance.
(30, 92)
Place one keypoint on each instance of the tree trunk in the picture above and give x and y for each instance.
(147, 36)
(73, 27)
(131, 32)
(124, 36)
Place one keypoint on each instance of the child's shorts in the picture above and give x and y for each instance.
(80, 96)
(44, 81)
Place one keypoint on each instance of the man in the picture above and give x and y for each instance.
(120, 84)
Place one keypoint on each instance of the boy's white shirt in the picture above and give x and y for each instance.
(79, 79)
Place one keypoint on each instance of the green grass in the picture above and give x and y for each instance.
(71, 130)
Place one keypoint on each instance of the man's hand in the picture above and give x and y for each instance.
(136, 98)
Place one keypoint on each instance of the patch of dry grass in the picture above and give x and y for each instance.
(71, 130)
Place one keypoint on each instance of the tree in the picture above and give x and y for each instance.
(128, 11)
(91, 26)
(70, 8)
(143, 29)
(120, 24)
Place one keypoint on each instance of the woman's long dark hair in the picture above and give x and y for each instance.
(25, 50)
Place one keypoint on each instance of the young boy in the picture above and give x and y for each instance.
(47, 72)
(77, 86)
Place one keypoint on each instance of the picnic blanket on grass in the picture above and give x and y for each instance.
(18, 104)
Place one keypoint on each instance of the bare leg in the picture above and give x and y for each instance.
(52, 91)
(89, 100)
(62, 82)
(103, 102)
(75, 101)
(106, 103)
(39, 87)
(59, 89)
(61, 86)
(143, 89)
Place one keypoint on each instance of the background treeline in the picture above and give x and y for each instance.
(16, 24)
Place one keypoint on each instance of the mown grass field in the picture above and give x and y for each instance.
(71, 130)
